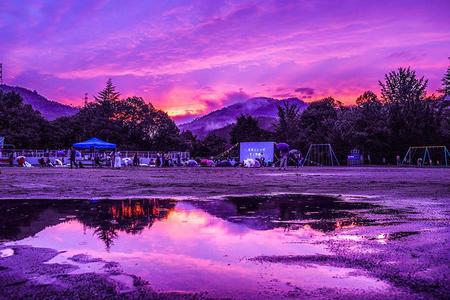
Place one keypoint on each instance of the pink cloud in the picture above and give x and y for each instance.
(188, 57)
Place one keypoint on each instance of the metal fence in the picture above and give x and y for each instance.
(33, 155)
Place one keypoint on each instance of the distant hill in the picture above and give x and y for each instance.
(219, 121)
(50, 110)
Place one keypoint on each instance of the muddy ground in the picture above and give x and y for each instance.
(406, 244)
(198, 182)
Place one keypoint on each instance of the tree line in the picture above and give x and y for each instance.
(382, 127)
(131, 123)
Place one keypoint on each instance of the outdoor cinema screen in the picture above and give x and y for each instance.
(257, 149)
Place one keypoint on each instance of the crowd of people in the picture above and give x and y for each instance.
(114, 159)
(73, 158)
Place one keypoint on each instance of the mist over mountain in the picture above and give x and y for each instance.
(50, 110)
(262, 108)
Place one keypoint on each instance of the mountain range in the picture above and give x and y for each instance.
(50, 110)
(219, 122)
(262, 108)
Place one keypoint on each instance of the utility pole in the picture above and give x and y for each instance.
(85, 99)
(1, 73)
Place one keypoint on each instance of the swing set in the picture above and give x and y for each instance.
(320, 155)
(432, 156)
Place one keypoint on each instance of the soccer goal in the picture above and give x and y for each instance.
(320, 155)
(437, 156)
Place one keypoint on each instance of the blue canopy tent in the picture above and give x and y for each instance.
(94, 143)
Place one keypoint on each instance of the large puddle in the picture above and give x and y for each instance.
(195, 246)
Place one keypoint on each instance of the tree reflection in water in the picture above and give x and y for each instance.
(20, 219)
(108, 218)
(291, 212)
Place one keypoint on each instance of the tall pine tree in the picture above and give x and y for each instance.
(108, 94)
(446, 82)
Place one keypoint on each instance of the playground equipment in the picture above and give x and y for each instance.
(320, 155)
(226, 153)
(438, 156)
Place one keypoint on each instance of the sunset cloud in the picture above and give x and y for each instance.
(191, 57)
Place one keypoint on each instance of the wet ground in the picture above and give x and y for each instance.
(389, 182)
(364, 241)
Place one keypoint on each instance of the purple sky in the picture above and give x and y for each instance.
(190, 57)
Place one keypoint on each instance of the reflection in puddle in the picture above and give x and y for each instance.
(194, 246)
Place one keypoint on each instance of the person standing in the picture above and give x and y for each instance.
(284, 155)
(158, 160)
(72, 156)
(11, 158)
(163, 160)
(178, 160)
(97, 160)
(117, 161)
(136, 160)
(299, 160)
(284, 158)
(113, 158)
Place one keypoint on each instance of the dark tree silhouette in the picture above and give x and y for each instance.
(316, 122)
(287, 128)
(363, 127)
(368, 99)
(446, 82)
(212, 145)
(131, 123)
(21, 125)
(108, 94)
(411, 119)
(247, 129)
(403, 86)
